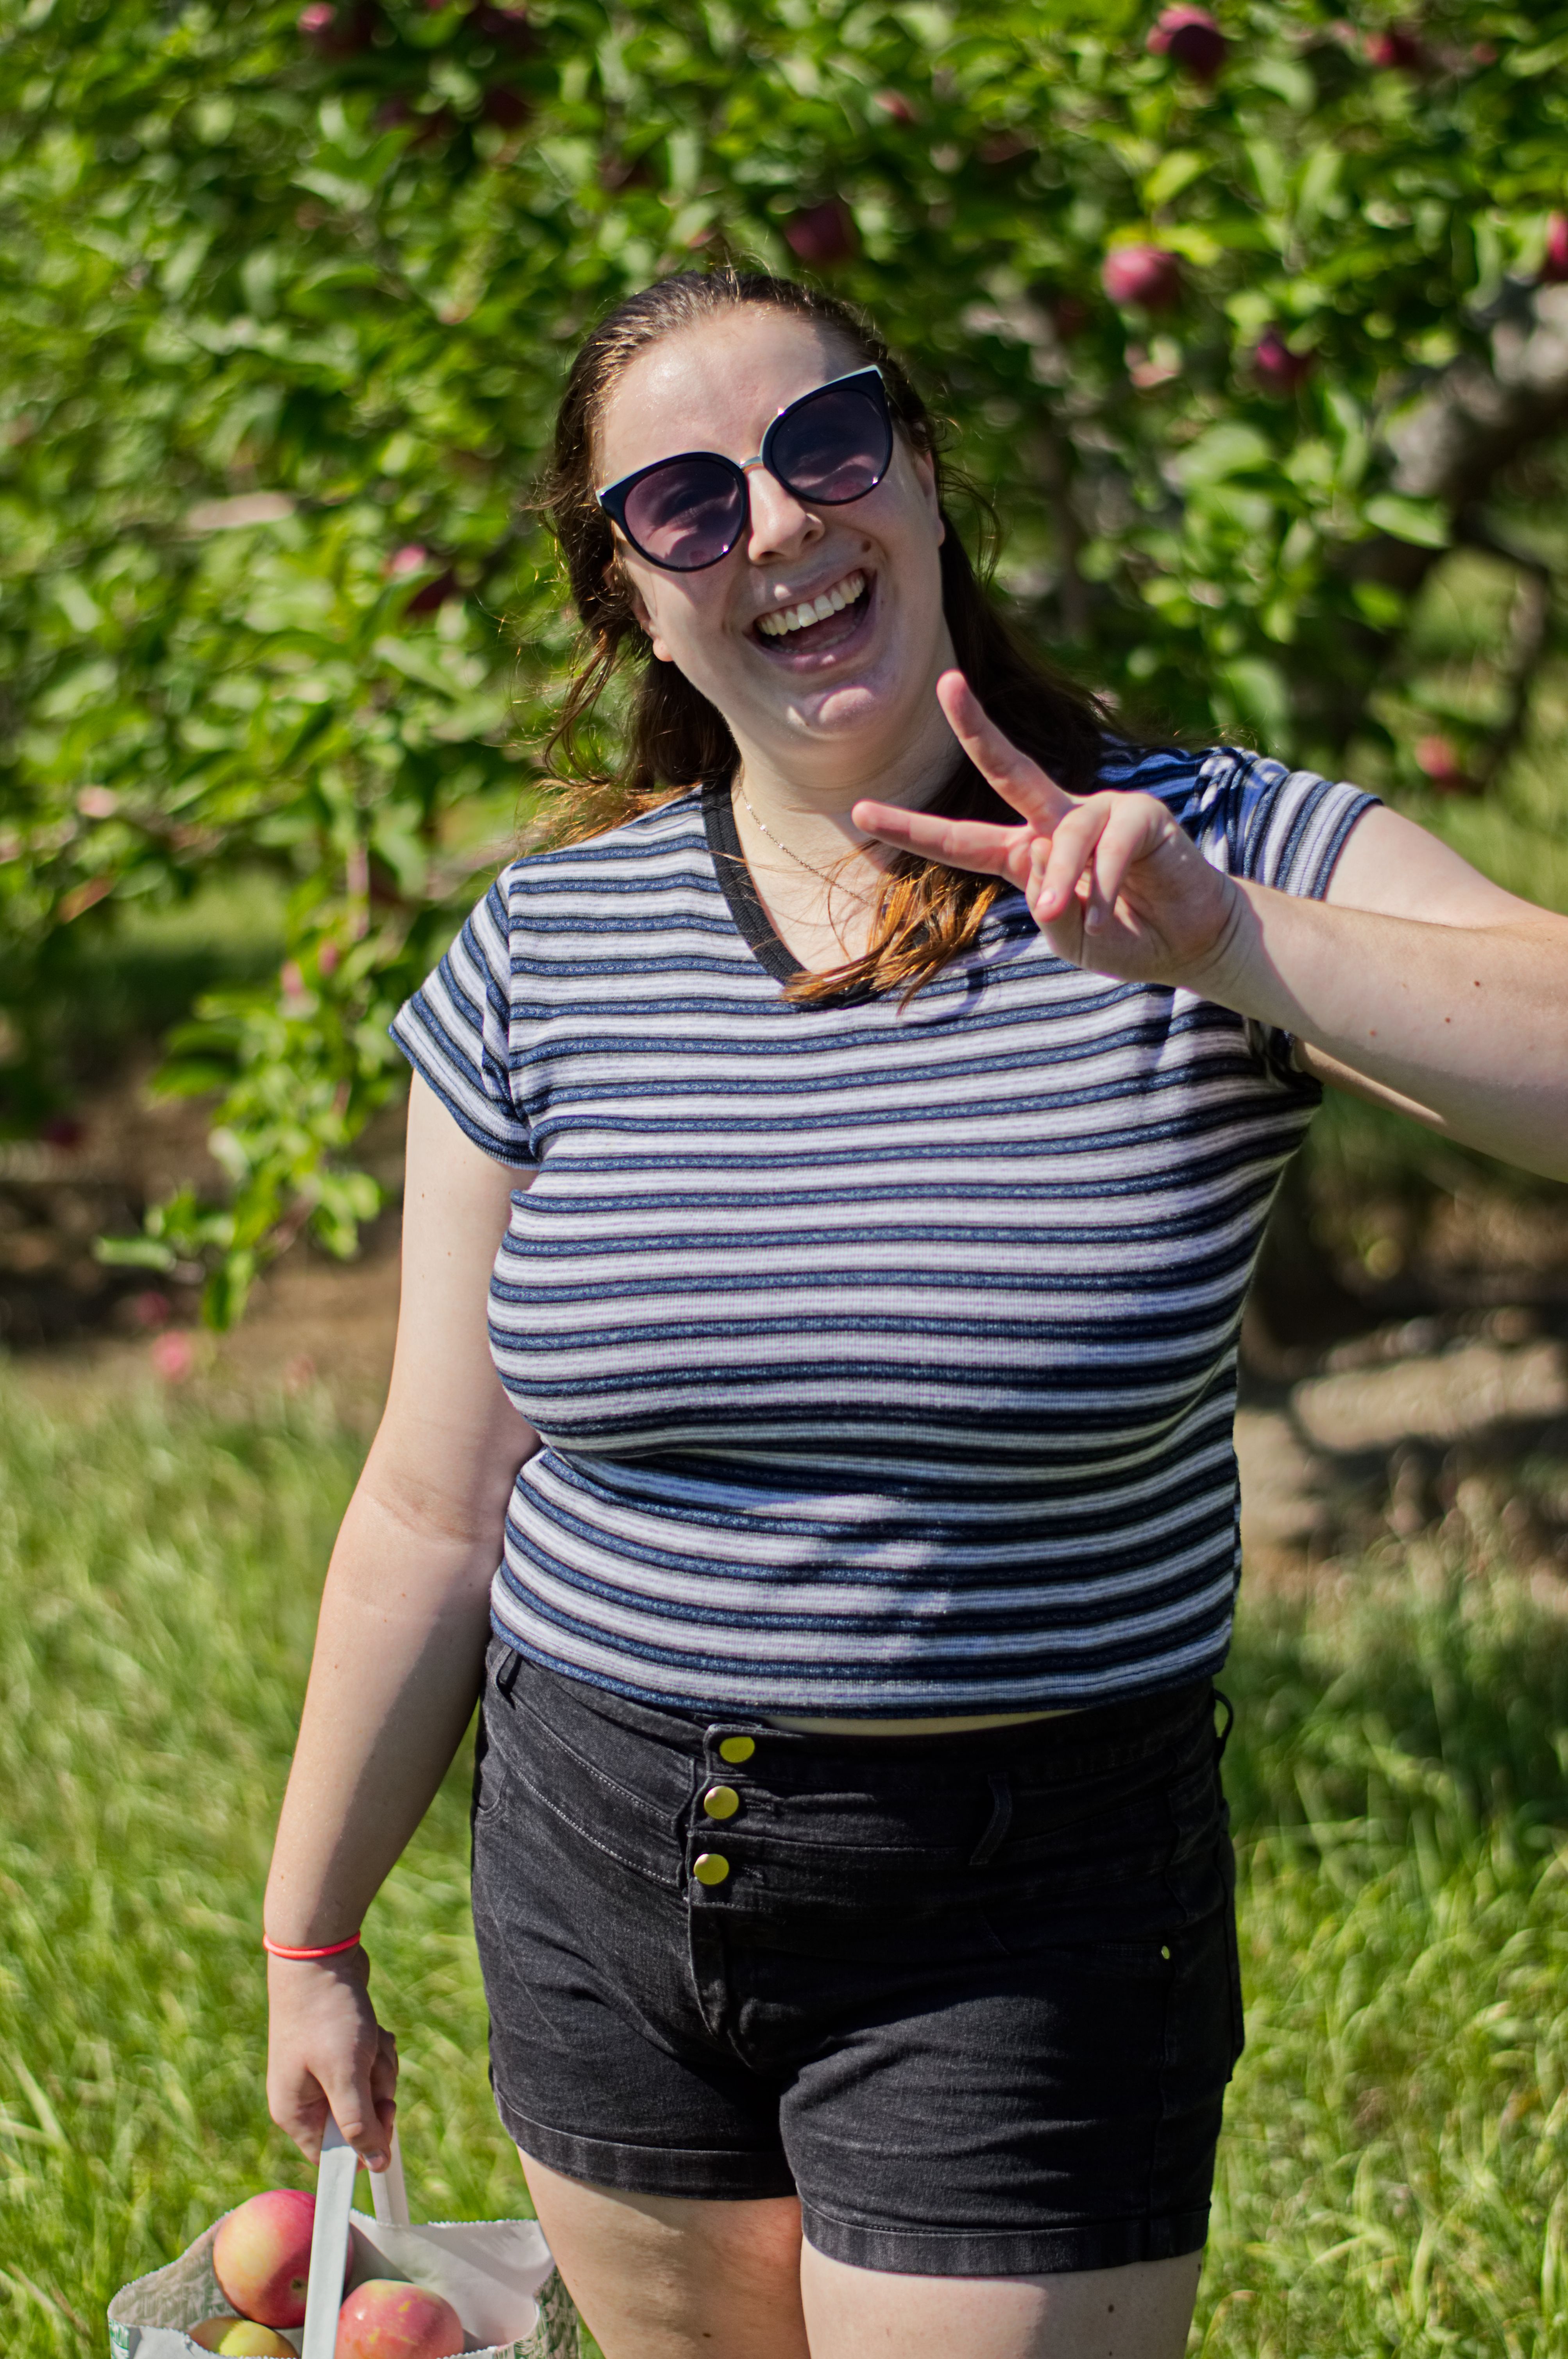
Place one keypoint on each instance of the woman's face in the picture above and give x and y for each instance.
(855, 685)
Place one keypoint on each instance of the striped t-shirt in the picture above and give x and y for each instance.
(883, 1357)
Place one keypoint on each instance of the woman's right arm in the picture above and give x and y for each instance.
(400, 1643)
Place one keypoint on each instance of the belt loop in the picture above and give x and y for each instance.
(506, 1678)
(999, 1821)
(1223, 1739)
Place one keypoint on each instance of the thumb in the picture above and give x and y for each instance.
(1019, 780)
(359, 2117)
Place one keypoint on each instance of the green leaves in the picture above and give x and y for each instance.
(1423, 523)
(285, 305)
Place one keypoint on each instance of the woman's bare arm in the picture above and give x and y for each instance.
(1415, 981)
(400, 1643)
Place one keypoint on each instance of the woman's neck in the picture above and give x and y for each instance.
(804, 801)
(816, 875)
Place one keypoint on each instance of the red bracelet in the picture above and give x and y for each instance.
(331, 1950)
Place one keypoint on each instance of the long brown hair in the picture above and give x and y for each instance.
(672, 738)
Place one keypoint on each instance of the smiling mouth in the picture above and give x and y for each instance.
(816, 625)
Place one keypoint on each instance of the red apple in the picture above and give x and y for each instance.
(337, 32)
(240, 2338)
(261, 2255)
(1192, 37)
(1145, 275)
(1397, 48)
(896, 106)
(1436, 756)
(1275, 366)
(384, 2320)
(823, 235)
(1554, 261)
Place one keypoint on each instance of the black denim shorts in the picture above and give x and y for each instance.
(974, 1998)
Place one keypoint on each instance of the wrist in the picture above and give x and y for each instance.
(1223, 973)
(310, 1952)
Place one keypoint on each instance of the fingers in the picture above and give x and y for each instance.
(1090, 856)
(1016, 778)
(957, 843)
(972, 843)
(330, 2059)
(352, 2099)
(384, 2085)
(301, 2112)
(354, 2109)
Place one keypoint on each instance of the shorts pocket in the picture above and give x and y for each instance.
(485, 1794)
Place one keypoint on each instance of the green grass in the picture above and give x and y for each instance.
(1392, 2175)
(1391, 2178)
(158, 1570)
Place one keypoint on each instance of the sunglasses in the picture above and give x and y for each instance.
(832, 446)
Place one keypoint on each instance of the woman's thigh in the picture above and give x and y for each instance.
(661, 2277)
(1139, 2312)
(667, 2278)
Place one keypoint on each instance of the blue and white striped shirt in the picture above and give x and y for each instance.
(883, 1357)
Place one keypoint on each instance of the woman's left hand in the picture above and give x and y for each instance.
(1111, 880)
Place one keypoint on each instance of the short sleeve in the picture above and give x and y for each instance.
(1273, 826)
(456, 1032)
(1254, 818)
(1249, 816)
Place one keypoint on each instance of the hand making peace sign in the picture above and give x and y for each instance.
(1112, 882)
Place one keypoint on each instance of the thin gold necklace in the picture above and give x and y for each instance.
(826, 876)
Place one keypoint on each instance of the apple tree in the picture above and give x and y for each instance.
(1245, 318)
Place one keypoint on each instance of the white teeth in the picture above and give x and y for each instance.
(813, 609)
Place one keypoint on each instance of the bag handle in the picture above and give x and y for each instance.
(329, 2237)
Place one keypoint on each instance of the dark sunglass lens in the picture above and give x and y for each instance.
(685, 515)
(835, 446)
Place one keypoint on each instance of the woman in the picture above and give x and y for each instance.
(871, 1145)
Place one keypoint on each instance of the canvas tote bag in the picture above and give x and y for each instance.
(497, 2275)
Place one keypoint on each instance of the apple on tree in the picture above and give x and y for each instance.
(337, 32)
(1144, 275)
(1554, 261)
(823, 235)
(1438, 760)
(1191, 36)
(1397, 48)
(1275, 366)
